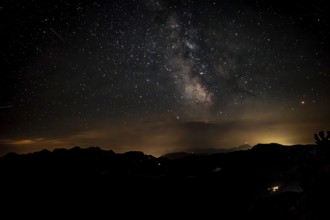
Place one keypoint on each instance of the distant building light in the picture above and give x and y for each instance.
(274, 189)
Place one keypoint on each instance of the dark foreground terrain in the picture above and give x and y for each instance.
(266, 182)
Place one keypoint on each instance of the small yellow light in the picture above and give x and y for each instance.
(274, 189)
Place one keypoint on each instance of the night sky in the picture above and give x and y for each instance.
(161, 76)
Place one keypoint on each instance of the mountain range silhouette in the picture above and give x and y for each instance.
(268, 181)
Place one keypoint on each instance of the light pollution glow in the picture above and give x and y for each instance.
(158, 138)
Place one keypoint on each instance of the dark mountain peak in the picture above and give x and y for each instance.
(60, 151)
(205, 151)
(10, 156)
(268, 147)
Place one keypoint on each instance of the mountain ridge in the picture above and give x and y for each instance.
(268, 178)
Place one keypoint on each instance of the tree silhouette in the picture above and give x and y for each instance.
(321, 139)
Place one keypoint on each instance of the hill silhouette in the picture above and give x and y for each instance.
(268, 181)
(205, 151)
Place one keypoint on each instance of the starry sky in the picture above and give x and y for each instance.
(160, 76)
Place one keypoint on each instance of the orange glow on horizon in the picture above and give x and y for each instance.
(21, 142)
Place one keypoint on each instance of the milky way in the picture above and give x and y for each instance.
(161, 75)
